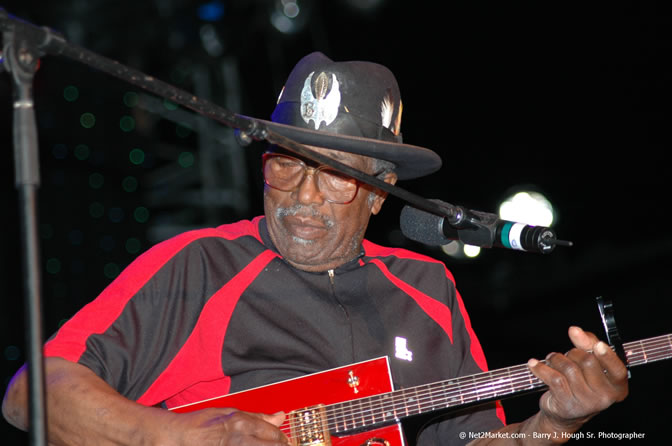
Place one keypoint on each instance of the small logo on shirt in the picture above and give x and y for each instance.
(400, 349)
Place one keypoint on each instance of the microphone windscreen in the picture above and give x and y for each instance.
(423, 227)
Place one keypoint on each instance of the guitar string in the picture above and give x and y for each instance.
(514, 382)
(515, 377)
(357, 417)
(352, 415)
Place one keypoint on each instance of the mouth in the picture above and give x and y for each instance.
(305, 228)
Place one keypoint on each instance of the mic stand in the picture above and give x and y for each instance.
(247, 129)
(21, 57)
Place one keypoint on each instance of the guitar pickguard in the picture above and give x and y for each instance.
(305, 398)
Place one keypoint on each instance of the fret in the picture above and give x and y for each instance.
(430, 391)
(352, 414)
(469, 390)
(344, 416)
(417, 401)
(452, 398)
(373, 409)
(508, 372)
(407, 401)
(391, 414)
(356, 412)
(340, 424)
(396, 405)
(531, 379)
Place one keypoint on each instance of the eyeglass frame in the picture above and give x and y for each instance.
(315, 174)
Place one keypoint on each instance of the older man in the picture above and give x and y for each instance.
(297, 291)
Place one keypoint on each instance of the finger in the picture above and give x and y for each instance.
(592, 370)
(553, 373)
(582, 339)
(275, 419)
(269, 430)
(558, 387)
(254, 425)
(611, 364)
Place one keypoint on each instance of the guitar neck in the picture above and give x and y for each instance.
(387, 408)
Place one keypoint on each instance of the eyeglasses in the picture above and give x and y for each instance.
(286, 173)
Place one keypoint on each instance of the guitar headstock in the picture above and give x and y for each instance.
(608, 315)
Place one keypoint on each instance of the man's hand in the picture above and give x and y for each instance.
(83, 410)
(225, 427)
(583, 382)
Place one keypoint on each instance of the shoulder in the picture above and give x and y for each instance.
(234, 240)
(238, 231)
(395, 257)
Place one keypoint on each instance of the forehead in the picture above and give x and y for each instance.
(351, 159)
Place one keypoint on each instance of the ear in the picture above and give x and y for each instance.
(390, 178)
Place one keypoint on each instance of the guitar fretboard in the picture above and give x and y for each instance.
(387, 408)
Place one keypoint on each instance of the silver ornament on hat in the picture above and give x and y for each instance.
(324, 105)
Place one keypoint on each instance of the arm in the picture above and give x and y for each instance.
(582, 383)
(84, 409)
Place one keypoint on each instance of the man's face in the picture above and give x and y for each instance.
(313, 234)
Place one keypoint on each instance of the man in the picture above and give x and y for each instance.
(221, 310)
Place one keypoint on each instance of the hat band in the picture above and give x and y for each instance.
(345, 124)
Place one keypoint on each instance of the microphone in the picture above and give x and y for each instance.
(478, 229)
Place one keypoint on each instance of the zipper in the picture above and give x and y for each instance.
(331, 275)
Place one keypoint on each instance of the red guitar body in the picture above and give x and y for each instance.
(356, 405)
(347, 383)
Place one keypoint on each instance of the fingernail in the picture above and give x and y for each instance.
(532, 362)
(601, 348)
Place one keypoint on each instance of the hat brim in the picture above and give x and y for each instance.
(410, 161)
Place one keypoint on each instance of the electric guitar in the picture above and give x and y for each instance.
(356, 405)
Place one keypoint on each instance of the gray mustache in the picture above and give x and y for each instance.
(300, 210)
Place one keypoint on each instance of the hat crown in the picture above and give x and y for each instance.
(353, 107)
(359, 99)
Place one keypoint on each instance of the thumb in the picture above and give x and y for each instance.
(275, 419)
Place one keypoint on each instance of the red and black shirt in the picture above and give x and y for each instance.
(216, 311)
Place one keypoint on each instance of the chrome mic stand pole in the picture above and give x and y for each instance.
(20, 58)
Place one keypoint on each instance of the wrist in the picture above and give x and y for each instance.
(555, 431)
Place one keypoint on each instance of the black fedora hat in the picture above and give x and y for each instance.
(350, 106)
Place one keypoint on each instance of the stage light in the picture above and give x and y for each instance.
(289, 16)
(127, 124)
(82, 152)
(527, 206)
(60, 151)
(129, 184)
(111, 270)
(12, 353)
(141, 214)
(471, 251)
(53, 265)
(96, 209)
(87, 120)
(211, 41)
(136, 156)
(96, 180)
(131, 99)
(461, 251)
(211, 11)
(186, 159)
(133, 245)
(71, 93)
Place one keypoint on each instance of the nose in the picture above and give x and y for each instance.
(308, 192)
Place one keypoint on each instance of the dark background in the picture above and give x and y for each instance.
(570, 98)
